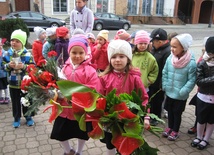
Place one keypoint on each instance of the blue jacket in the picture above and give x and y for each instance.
(179, 82)
(16, 78)
(3, 73)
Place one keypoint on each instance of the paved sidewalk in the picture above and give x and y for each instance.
(35, 140)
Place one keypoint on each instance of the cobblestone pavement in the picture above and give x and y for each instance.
(35, 140)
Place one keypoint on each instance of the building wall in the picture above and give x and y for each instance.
(5, 8)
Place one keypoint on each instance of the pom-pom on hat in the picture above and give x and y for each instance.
(78, 40)
(62, 31)
(159, 34)
(119, 47)
(90, 35)
(19, 35)
(77, 31)
(51, 31)
(209, 46)
(104, 34)
(142, 37)
(38, 31)
(185, 40)
(123, 35)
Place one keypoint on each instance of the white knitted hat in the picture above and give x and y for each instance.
(185, 39)
(38, 31)
(119, 47)
(51, 31)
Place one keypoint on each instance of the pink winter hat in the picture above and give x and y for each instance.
(123, 35)
(142, 37)
(78, 40)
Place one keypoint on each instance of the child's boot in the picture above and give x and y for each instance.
(29, 121)
(16, 123)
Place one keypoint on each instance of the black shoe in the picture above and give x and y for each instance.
(201, 147)
(192, 130)
(195, 142)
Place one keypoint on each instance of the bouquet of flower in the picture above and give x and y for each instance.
(121, 115)
(40, 83)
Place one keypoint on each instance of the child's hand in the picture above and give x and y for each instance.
(19, 66)
(146, 124)
(98, 46)
(12, 64)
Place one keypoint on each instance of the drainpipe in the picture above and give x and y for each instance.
(211, 17)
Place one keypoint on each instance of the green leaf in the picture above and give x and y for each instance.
(82, 123)
(67, 88)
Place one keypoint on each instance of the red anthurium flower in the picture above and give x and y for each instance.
(25, 84)
(97, 132)
(52, 54)
(126, 113)
(41, 63)
(126, 145)
(101, 103)
(84, 101)
(56, 110)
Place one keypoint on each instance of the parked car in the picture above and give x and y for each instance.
(33, 19)
(110, 21)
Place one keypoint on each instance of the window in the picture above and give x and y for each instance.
(102, 5)
(132, 7)
(146, 8)
(60, 6)
(159, 7)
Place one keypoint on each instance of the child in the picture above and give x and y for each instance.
(144, 60)
(205, 97)
(65, 126)
(50, 43)
(161, 51)
(179, 75)
(91, 40)
(123, 35)
(38, 44)
(120, 74)
(18, 41)
(3, 79)
(61, 44)
(99, 54)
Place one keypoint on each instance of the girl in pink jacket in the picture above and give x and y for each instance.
(121, 75)
(78, 69)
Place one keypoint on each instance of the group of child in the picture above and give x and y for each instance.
(105, 65)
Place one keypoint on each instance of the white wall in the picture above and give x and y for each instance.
(169, 6)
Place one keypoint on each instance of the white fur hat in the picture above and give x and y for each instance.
(38, 31)
(185, 39)
(119, 47)
(51, 31)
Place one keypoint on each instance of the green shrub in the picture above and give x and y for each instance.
(7, 26)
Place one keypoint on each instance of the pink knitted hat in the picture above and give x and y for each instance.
(123, 35)
(142, 37)
(78, 40)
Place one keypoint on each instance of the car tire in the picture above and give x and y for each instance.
(54, 25)
(126, 26)
(98, 26)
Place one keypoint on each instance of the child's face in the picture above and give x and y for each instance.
(142, 47)
(101, 40)
(176, 48)
(42, 36)
(119, 62)
(16, 44)
(80, 3)
(77, 55)
(91, 40)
